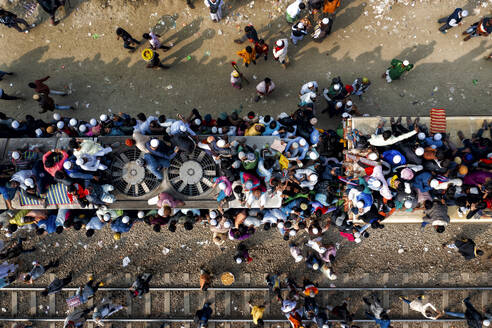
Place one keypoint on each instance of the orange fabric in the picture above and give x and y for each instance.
(310, 288)
(246, 56)
(331, 7)
(438, 120)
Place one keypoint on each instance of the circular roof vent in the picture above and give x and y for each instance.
(130, 178)
(192, 174)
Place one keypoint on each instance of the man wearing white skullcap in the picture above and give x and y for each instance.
(158, 157)
(309, 87)
(296, 148)
(396, 70)
(179, 126)
(297, 32)
(322, 29)
(280, 52)
(452, 20)
(90, 163)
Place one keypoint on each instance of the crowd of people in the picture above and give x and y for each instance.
(317, 183)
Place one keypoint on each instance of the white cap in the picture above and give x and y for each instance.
(279, 43)
(213, 222)
(408, 203)
(227, 224)
(313, 177)
(222, 186)
(220, 130)
(214, 129)
(373, 156)
(339, 104)
(73, 122)
(406, 62)
(360, 204)
(376, 183)
(486, 323)
(15, 124)
(315, 266)
(161, 211)
(299, 258)
(79, 161)
(103, 117)
(38, 132)
(140, 214)
(295, 145)
(313, 121)
(29, 182)
(168, 130)
(437, 136)
(182, 128)
(239, 260)
(421, 136)
(15, 155)
(357, 240)
(336, 87)
(315, 231)
(56, 116)
(251, 157)
(82, 128)
(241, 155)
(60, 125)
(292, 233)
(419, 151)
(464, 13)
(125, 219)
(310, 85)
(107, 217)
(434, 183)
(93, 122)
(236, 164)
(302, 142)
(396, 159)
(198, 121)
(280, 225)
(154, 143)
(346, 115)
(349, 103)
(213, 214)
(325, 21)
(313, 155)
(221, 143)
(67, 165)
(300, 25)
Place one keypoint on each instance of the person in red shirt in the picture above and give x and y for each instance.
(261, 49)
(40, 87)
(53, 161)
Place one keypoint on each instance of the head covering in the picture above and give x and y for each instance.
(295, 145)
(359, 204)
(374, 183)
(310, 85)
(251, 156)
(279, 43)
(198, 121)
(56, 116)
(365, 80)
(321, 198)
(235, 73)
(336, 87)
(161, 211)
(419, 151)
(29, 182)
(73, 122)
(280, 225)
(239, 260)
(154, 143)
(300, 25)
(82, 128)
(437, 136)
(349, 103)
(313, 155)
(325, 21)
(406, 174)
(227, 224)
(125, 219)
(15, 155)
(140, 214)
(406, 63)
(302, 142)
(313, 177)
(67, 165)
(316, 266)
(313, 121)
(213, 214)
(93, 122)
(117, 236)
(15, 124)
(373, 156)
(421, 135)
(434, 183)
(38, 132)
(463, 170)
(35, 96)
(221, 143)
(103, 117)
(292, 233)
(464, 13)
(182, 128)
(60, 125)
(486, 322)
(408, 203)
(396, 159)
(50, 129)
(339, 104)
(236, 164)
(213, 222)
(79, 161)
(222, 186)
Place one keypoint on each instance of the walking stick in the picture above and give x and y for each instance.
(236, 68)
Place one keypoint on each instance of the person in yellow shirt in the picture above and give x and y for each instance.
(257, 313)
(248, 55)
(256, 129)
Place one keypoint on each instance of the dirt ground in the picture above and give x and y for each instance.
(82, 54)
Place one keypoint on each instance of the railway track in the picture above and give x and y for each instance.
(175, 306)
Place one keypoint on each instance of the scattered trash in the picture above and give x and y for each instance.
(165, 251)
(219, 32)
(207, 53)
(126, 261)
(100, 244)
(332, 285)
(95, 36)
(451, 89)
(188, 57)
(169, 87)
(254, 77)
(475, 82)
(400, 251)
(4, 310)
(57, 244)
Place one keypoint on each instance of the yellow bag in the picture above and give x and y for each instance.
(283, 161)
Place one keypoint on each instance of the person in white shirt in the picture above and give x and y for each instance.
(90, 163)
(294, 11)
(428, 310)
(215, 7)
(154, 41)
(264, 88)
(280, 52)
(309, 87)
(298, 32)
(257, 196)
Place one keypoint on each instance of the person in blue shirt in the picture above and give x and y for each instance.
(49, 225)
(121, 225)
(8, 192)
(157, 158)
(274, 126)
(384, 322)
(96, 223)
(394, 157)
(74, 171)
(422, 182)
(452, 20)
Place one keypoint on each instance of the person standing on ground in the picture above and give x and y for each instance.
(154, 41)
(141, 285)
(257, 314)
(474, 319)
(452, 20)
(205, 279)
(396, 70)
(2, 74)
(248, 55)
(51, 7)
(261, 49)
(280, 52)
(154, 61)
(419, 306)
(236, 80)
(249, 34)
(38, 270)
(322, 29)
(48, 104)
(297, 32)
(294, 10)
(40, 87)
(264, 88)
(466, 247)
(203, 315)
(128, 40)
(360, 86)
(10, 19)
(215, 7)
(5, 96)
(56, 285)
(480, 28)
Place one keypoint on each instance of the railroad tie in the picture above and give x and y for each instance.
(52, 302)
(404, 305)
(246, 298)
(128, 278)
(365, 281)
(425, 279)
(186, 298)
(445, 296)
(90, 303)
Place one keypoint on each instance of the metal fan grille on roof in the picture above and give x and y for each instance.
(130, 178)
(192, 174)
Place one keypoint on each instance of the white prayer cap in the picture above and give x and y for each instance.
(300, 25)
(292, 233)
(29, 182)
(67, 165)
(82, 128)
(310, 85)
(336, 87)
(295, 145)
(280, 225)
(406, 62)
(313, 121)
(38, 132)
(213, 222)
(15, 124)
(315, 230)
(227, 224)
(56, 116)
(73, 122)
(360, 204)
(302, 142)
(103, 117)
(125, 219)
(60, 125)
(182, 128)
(93, 122)
(221, 143)
(339, 104)
(325, 21)
(486, 323)
(222, 186)
(214, 129)
(239, 260)
(434, 183)
(437, 136)
(279, 43)
(107, 217)
(212, 214)
(198, 121)
(315, 266)
(396, 159)
(408, 203)
(373, 156)
(140, 214)
(421, 136)
(154, 143)
(251, 157)
(464, 13)
(299, 258)
(15, 155)
(313, 177)
(419, 151)
(349, 103)
(241, 155)
(161, 211)
(79, 161)
(313, 155)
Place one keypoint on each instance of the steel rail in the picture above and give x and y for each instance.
(253, 289)
(215, 320)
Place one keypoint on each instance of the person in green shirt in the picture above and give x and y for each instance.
(397, 68)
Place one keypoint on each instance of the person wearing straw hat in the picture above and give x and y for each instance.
(236, 80)
(152, 58)
(360, 85)
(128, 40)
(396, 70)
